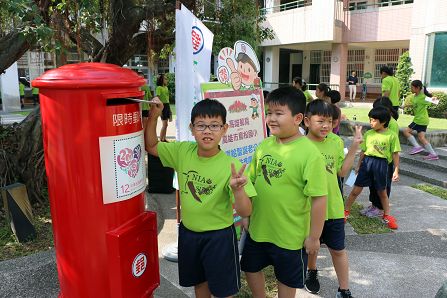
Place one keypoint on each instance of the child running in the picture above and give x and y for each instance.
(379, 148)
(209, 181)
(287, 171)
(420, 121)
(318, 119)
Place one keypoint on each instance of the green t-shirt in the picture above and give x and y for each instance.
(205, 194)
(309, 97)
(420, 105)
(334, 155)
(391, 84)
(35, 91)
(21, 89)
(285, 177)
(380, 144)
(147, 96)
(163, 93)
(394, 127)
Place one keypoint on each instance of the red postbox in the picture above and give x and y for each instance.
(105, 241)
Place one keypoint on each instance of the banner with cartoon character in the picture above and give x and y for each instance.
(245, 118)
(194, 44)
(122, 166)
(239, 67)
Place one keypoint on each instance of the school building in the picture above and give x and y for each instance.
(324, 40)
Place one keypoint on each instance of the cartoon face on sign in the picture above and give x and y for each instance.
(129, 159)
(239, 67)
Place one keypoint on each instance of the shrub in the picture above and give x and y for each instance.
(439, 110)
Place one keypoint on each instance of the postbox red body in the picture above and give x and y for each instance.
(105, 241)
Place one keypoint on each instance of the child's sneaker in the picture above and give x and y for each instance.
(416, 150)
(431, 156)
(374, 212)
(347, 212)
(344, 294)
(312, 285)
(365, 210)
(390, 221)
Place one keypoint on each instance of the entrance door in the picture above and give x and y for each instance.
(297, 70)
(314, 76)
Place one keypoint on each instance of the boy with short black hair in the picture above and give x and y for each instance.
(289, 210)
(209, 180)
(379, 148)
(318, 119)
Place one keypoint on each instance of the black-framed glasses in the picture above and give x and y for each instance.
(212, 127)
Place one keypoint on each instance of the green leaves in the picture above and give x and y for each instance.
(403, 74)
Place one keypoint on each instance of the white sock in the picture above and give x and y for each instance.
(413, 141)
(429, 148)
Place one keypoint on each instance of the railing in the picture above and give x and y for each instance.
(286, 6)
(364, 5)
(269, 86)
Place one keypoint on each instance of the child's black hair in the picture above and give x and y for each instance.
(301, 82)
(209, 108)
(336, 113)
(319, 107)
(386, 69)
(380, 113)
(324, 88)
(386, 102)
(334, 96)
(418, 84)
(160, 80)
(288, 96)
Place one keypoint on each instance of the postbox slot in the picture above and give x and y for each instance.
(119, 101)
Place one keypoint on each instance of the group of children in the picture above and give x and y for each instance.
(289, 196)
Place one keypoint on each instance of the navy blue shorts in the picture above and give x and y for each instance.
(210, 256)
(333, 234)
(374, 197)
(373, 172)
(289, 265)
(417, 127)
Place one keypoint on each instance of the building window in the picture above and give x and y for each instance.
(436, 71)
(388, 57)
(325, 70)
(358, 5)
(356, 62)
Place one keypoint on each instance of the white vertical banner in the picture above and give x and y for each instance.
(193, 44)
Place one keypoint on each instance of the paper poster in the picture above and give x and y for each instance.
(245, 119)
(351, 179)
(122, 166)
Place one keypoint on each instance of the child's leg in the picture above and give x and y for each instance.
(424, 141)
(384, 200)
(355, 192)
(256, 283)
(285, 291)
(202, 290)
(341, 266)
(408, 134)
(312, 261)
(164, 128)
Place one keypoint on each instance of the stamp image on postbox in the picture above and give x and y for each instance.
(122, 166)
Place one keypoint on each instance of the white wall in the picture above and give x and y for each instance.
(428, 17)
(305, 24)
(10, 89)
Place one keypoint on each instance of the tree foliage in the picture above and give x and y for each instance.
(403, 74)
(233, 21)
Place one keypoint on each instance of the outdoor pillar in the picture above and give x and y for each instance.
(10, 89)
(339, 61)
(271, 68)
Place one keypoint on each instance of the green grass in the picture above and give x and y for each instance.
(434, 190)
(270, 284)
(403, 121)
(366, 225)
(10, 248)
(24, 113)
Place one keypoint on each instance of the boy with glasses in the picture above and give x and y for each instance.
(209, 181)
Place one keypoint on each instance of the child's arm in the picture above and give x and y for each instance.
(362, 155)
(150, 135)
(317, 217)
(396, 166)
(242, 202)
(349, 159)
